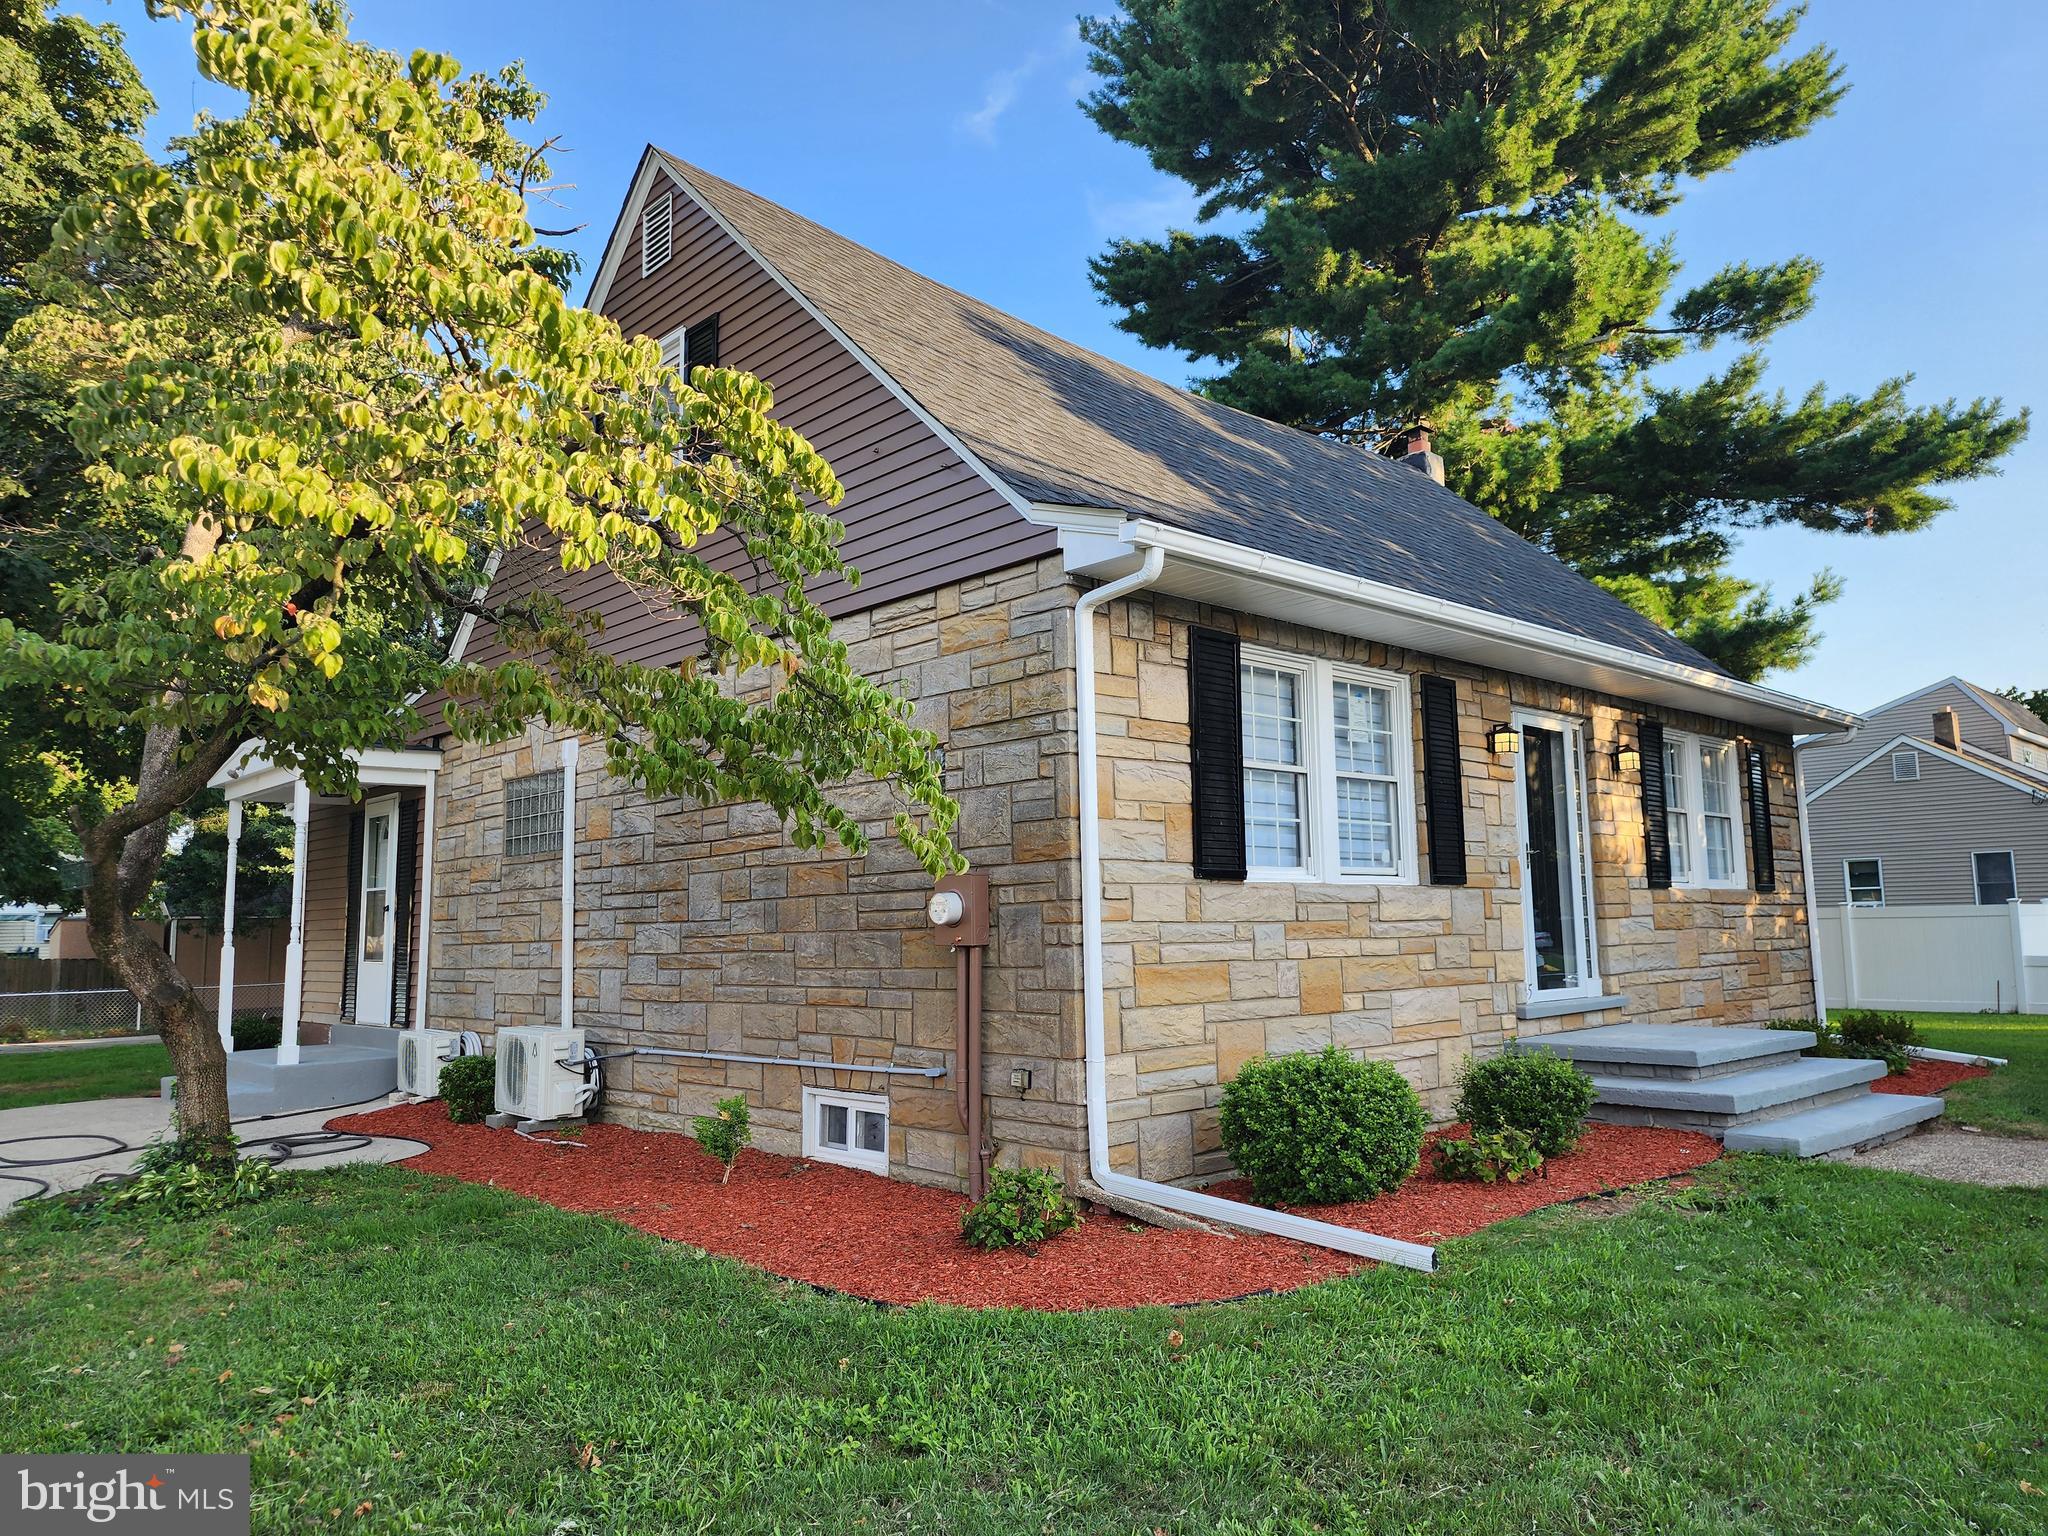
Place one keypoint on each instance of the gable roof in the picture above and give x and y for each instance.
(2012, 718)
(2016, 717)
(1056, 425)
(2029, 781)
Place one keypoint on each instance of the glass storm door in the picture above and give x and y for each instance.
(373, 950)
(1557, 881)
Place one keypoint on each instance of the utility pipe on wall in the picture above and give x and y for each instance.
(1820, 991)
(568, 882)
(1188, 1201)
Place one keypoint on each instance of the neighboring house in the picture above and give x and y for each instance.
(24, 927)
(1340, 759)
(1937, 798)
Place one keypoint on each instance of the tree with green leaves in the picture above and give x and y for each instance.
(71, 112)
(193, 881)
(331, 371)
(1438, 215)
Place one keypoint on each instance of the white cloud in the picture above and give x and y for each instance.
(1169, 205)
(1006, 85)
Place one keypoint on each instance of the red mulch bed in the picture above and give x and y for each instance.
(1929, 1077)
(894, 1242)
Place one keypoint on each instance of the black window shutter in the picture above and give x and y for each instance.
(1443, 784)
(1656, 830)
(355, 915)
(700, 344)
(1216, 739)
(1761, 862)
(401, 941)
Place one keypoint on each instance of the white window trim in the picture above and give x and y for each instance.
(1850, 901)
(1695, 813)
(1976, 887)
(1905, 754)
(668, 201)
(849, 1156)
(1579, 856)
(1319, 760)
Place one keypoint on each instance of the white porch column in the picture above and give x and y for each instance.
(224, 1008)
(422, 965)
(568, 882)
(295, 948)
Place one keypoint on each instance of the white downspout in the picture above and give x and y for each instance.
(1820, 991)
(295, 945)
(224, 1001)
(1188, 1201)
(569, 882)
(422, 967)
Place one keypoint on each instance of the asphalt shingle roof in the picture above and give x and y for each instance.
(1065, 426)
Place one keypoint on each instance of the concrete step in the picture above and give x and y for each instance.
(1862, 1121)
(325, 1077)
(1681, 1052)
(1730, 1098)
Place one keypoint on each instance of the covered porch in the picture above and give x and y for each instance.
(358, 936)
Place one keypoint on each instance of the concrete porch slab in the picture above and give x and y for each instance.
(1739, 1093)
(1833, 1127)
(1668, 1045)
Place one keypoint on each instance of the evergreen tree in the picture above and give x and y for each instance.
(1436, 214)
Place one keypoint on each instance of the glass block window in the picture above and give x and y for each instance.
(533, 814)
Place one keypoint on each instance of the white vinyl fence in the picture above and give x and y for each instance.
(1940, 958)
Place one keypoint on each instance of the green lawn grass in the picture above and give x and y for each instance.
(2012, 1101)
(1779, 1348)
(60, 1076)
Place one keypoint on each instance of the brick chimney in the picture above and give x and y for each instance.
(1947, 730)
(1419, 457)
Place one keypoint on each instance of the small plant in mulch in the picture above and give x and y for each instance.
(723, 1134)
(1489, 1157)
(469, 1087)
(1022, 1206)
(1322, 1128)
(1543, 1096)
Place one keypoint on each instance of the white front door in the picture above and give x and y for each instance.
(1557, 870)
(377, 931)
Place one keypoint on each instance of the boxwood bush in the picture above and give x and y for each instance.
(1543, 1096)
(469, 1087)
(1321, 1129)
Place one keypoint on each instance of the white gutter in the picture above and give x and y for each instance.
(568, 882)
(1820, 991)
(1301, 1229)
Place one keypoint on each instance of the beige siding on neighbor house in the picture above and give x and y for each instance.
(1925, 831)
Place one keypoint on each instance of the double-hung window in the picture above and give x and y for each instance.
(1864, 879)
(1701, 796)
(1328, 781)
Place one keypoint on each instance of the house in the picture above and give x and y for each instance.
(1939, 797)
(1262, 741)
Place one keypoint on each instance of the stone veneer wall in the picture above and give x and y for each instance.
(705, 929)
(1205, 975)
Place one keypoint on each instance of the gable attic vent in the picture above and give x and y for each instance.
(657, 229)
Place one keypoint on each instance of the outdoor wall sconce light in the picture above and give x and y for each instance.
(1628, 758)
(1504, 740)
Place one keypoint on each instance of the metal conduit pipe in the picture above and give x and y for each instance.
(1187, 1201)
(768, 1061)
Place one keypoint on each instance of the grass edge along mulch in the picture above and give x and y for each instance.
(885, 1240)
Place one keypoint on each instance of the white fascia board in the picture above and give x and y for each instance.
(629, 214)
(467, 626)
(1932, 749)
(250, 775)
(1250, 580)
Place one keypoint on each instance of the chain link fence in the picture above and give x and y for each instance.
(105, 1013)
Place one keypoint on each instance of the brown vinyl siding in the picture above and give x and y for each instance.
(1925, 831)
(325, 937)
(917, 515)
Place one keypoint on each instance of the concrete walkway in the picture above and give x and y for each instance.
(1964, 1157)
(106, 1135)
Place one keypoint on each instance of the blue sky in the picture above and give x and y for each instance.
(944, 134)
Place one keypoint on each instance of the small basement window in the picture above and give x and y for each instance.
(533, 814)
(1905, 766)
(1865, 880)
(847, 1128)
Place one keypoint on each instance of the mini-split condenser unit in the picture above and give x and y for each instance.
(421, 1054)
(540, 1073)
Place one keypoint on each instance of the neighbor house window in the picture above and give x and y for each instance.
(1327, 770)
(1905, 766)
(848, 1128)
(1997, 880)
(533, 814)
(1865, 880)
(1701, 796)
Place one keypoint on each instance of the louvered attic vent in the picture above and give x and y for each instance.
(657, 226)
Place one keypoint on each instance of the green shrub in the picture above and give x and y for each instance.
(723, 1134)
(1023, 1205)
(1489, 1156)
(1321, 1129)
(469, 1087)
(190, 1188)
(1543, 1096)
(257, 1031)
(1860, 1037)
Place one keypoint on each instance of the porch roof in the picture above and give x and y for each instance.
(250, 775)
